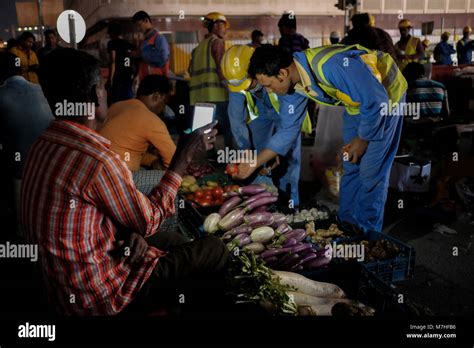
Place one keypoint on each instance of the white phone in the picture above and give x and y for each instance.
(203, 114)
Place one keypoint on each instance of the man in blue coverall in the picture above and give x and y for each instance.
(273, 134)
(349, 76)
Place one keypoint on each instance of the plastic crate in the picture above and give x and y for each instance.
(379, 294)
(399, 268)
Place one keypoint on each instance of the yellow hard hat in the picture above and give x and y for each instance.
(426, 42)
(214, 17)
(467, 30)
(404, 23)
(234, 65)
(371, 20)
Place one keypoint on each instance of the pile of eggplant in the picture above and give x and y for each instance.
(244, 222)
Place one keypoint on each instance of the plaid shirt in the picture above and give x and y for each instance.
(75, 193)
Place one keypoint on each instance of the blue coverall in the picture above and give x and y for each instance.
(279, 132)
(443, 52)
(364, 185)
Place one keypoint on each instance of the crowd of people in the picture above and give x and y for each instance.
(93, 186)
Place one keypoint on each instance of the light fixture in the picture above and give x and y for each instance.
(19, 29)
(36, 28)
(30, 28)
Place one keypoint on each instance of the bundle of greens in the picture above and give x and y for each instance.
(252, 282)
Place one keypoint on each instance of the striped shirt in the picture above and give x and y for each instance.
(430, 94)
(75, 193)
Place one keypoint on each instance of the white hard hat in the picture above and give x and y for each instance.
(335, 35)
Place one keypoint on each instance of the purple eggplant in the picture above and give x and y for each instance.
(230, 194)
(255, 198)
(232, 220)
(317, 262)
(252, 190)
(274, 252)
(259, 219)
(290, 243)
(301, 248)
(279, 219)
(282, 229)
(298, 234)
(262, 209)
(271, 259)
(235, 231)
(229, 205)
(260, 202)
(307, 258)
(239, 241)
(288, 261)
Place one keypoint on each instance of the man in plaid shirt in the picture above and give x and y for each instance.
(78, 199)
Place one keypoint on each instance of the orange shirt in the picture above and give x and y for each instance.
(132, 128)
(27, 59)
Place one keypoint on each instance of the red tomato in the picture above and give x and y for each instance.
(199, 194)
(208, 192)
(220, 201)
(231, 169)
(190, 197)
(204, 202)
(208, 197)
(217, 192)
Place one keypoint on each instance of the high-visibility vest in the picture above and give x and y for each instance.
(252, 108)
(410, 49)
(205, 85)
(381, 64)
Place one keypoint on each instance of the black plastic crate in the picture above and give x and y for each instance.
(190, 221)
(396, 269)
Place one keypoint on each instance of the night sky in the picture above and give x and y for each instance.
(7, 17)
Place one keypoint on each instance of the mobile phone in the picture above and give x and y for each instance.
(203, 114)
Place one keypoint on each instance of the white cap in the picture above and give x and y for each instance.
(335, 35)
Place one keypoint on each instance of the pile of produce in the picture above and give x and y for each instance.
(323, 236)
(306, 215)
(199, 170)
(245, 223)
(286, 292)
(210, 194)
(380, 249)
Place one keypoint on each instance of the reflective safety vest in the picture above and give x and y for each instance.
(205, 85)
(306, 127)
(410, 49)
(381, 64)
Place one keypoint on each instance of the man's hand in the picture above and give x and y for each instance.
(269, 168)
(245, 170)
(134, 249)
(355, 149)
(202, 139)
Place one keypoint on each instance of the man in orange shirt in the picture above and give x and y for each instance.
(133, 126)
(28, 60)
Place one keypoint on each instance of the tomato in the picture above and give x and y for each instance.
(231, 169)
(217, 192)
(208, 197)
(219, 201)
(190, 197)
(208, 192)
(204, 202)
(198, 194)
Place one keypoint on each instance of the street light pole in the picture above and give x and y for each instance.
(72, 30)
(40, 19)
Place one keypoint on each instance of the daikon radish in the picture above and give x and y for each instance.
(320, 305)
(308, 286)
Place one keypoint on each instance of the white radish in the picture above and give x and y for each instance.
(308, 286)
(320, 305)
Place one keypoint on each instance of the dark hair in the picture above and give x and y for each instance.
(70, 75)
(8, 66)
(256, 33)
(360, 20)
(49, 31)
(12, 43)
(140, 16)
(114, 29)
(154, 83)
(287, 20)
(268, 60)
(413, 71)
(26, 35)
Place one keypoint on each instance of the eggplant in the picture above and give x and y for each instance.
(255, 247)
(230, 194)
(290, 243)
(308, 258)
(260, 202)
(317, 262)
(259, 219)
(262, 209)
(297, 268)
(262, 234)
(301, 248)
(229, 205)
(271, 259)
(288, 260)
(278, 219)
(232, 219)
(274, 252)
(235, 231)
(252, 190)
(298, 234)
(239, 241)
(282, 229)
(255, 198)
